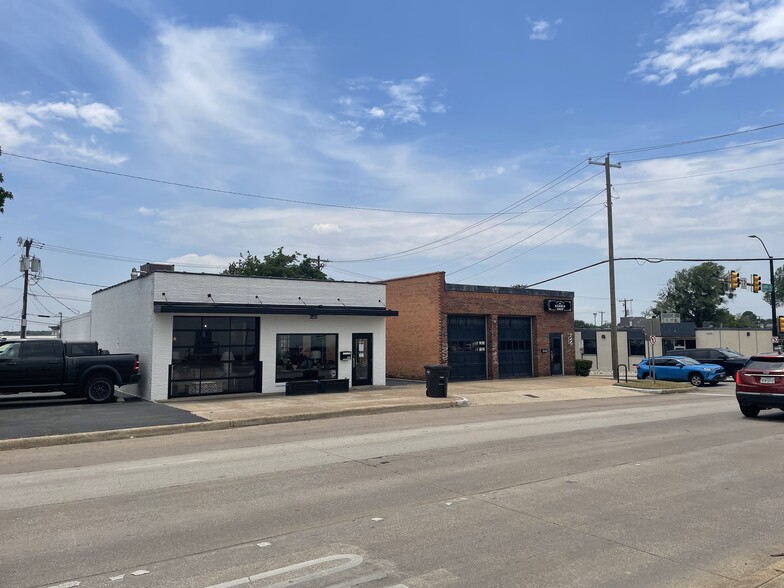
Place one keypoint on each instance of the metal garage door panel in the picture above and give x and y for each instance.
(467, 347)
(515, 357)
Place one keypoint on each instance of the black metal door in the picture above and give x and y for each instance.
(556, 354)
(466, 336)
(514, 347)
(362, 359)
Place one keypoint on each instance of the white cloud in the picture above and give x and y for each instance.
(402, 102)
(543, 30)
(729, 40)
(58, 127)
(326, 228)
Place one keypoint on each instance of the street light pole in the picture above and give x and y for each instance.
(775, 327)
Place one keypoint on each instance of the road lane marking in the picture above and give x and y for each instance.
(352, 560)
(156, 465)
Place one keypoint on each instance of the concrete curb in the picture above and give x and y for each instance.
(762, 577)
(160, 430)
(656, 391)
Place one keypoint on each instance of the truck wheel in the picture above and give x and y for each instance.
(749, 411)
(99, 389)
(696, 379)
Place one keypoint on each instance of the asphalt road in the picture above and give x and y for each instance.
(675, 490)
(37, 415)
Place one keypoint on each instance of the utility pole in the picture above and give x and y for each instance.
(625, 308)
(594, 318)
(611, 258)
(601, 320)
(26, 267)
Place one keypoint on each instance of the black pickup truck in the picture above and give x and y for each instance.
(78, 368)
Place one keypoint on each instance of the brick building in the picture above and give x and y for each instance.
(482, 332)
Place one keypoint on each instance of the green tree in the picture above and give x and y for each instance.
(578, 324)
(696, 293)
(4, 194)
(748, 319)
(277, 265)
(778, 277)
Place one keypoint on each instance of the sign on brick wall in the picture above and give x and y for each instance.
(557, 305)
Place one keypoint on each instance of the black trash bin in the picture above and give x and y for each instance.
(436, 380)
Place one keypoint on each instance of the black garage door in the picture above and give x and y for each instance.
(514, 347)
(467, 355)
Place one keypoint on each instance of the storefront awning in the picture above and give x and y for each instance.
(255, 309)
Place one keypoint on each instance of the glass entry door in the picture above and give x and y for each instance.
(556, 354)
(362, 359)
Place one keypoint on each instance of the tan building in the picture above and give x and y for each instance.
(634, 345)
(481, 332)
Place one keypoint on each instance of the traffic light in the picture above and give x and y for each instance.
(755, 283)
(734, 280)
(781, 325)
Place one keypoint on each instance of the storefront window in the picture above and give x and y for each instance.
(306, 357)
(636, 346)
(589, 346)
(213, 355)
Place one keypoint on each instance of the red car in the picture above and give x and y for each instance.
(759, 384)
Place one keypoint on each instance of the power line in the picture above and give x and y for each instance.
(532, 248)
(725, 148)
(57, 300)
(692, 141)
(528, 237)
(238, 193)
(453, 236)
(73, 282)
(726, 171)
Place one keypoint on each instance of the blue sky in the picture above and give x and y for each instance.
(418, 136)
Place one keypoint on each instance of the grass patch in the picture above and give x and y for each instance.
(651, 385)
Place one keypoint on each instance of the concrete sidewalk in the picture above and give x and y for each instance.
(226, 412)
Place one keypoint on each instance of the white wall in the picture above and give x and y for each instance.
(123, 319)
(122, 322)
(177, 287)
(602, 360)
(745, 341)
(77, 328)
(344, 326)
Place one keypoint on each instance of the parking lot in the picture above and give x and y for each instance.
(36, 415)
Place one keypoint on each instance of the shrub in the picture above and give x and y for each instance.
(583, 366)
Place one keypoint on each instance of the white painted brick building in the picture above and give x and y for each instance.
(207, 334)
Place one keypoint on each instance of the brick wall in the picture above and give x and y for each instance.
(418, 336)
(493, 305)
(414, 336)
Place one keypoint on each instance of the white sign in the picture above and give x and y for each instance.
(774, 339)
(653, 339)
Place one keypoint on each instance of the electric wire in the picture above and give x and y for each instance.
(11, 280)
(452, 238)
(566, 230)
(585, 202)
(727, 171)
(742, 145)
(57, 300)
(237, 192)
(692, 141)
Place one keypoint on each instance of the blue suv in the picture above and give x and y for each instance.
(677, 368)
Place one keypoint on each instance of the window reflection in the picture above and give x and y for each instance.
(306, 357)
